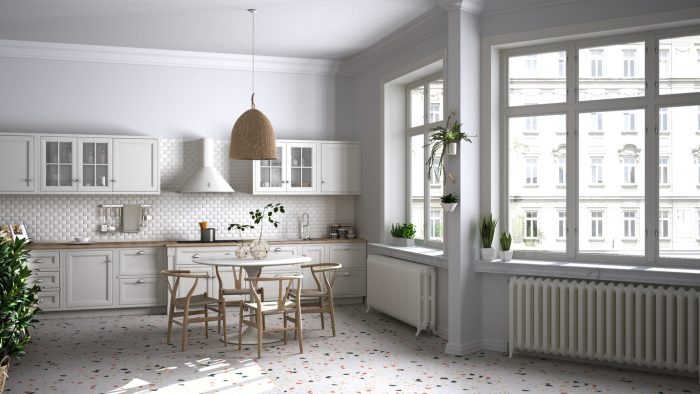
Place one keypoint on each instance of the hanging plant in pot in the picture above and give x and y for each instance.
(18, 302)
(449, 202)
(259, 249)
(403, 234)
(443, 140)
(487, 229)
(506, 253)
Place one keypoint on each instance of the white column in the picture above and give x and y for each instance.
(463, 95)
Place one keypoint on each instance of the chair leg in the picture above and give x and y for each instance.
(206, 322)
(185, 317)
(171, 311)
(262, 298)
(240, 325)
(320, 307)
(258, 323)
(332, 313)
(222, 319)
(299, 335)
(284, 324)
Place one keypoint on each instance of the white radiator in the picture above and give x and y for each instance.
(403, 290)
(639, 325)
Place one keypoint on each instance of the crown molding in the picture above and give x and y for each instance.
(507, 6)
(160, 57)
(472, 6)
(421, 28)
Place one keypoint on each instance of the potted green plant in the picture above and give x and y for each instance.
(244, 248)
(259, 248)
(487, 229)
(443, 140)
(18, 302)
(506, 253)
(449, 202)
(403, 234)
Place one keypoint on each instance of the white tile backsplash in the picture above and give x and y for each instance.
(175, 215)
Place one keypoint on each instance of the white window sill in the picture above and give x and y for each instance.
(596, 133)
(561, 186)
(416, 254)
(597, 185)
(664, 239)
(629, 185)
(531, 185)
(629, 132)
(629, 240)
(665, 185)
(596, 239)
(570, 270)
(561, 239)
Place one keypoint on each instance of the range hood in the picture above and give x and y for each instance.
(206, 178)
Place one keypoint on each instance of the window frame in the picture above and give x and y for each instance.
(424, 130)
(650, 103)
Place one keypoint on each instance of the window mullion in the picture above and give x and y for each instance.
(651, 156)
(426, 190)
(571, 153)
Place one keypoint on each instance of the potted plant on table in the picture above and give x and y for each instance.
(449, 202)
(259, 249)
(18, 302)
(487, 229)
(506, 253)
(244, 249)
(443, 140)
(403, 234)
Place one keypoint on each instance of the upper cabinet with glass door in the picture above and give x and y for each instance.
(268, 175)
(58, 164)
(95, 169)
(294, 171)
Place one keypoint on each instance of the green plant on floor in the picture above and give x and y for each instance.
(241, 228)
(18, 302)
(403, 230)
(438, 141)
(449, 199)
(506, 239)
(259, 217)
(487, 229)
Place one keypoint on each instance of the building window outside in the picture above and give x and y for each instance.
(663, 120)
(628, 62)
(561, 171)
(531, 225)
(597, 224)
(663, 170)
(664, 224)
(531, 171)
(562, 64)
(596, 63)
(697, 126)
(561, 224)
(531, 64)
(629, 165)
(596, 170)
(663, 63)
(425, 111)
(531, 124)
(629, 224)
(630, 121)
(597, 121)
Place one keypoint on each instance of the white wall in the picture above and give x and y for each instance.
(84, 97)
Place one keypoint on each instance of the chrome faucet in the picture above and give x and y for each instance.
(305, 226)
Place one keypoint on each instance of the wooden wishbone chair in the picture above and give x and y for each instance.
(320, 299)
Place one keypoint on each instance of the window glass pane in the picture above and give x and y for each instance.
(537, 79)
(537, 195)
(435, 106)
(611, 183)
(613, 71)
(417, 97)
(679, 65)
(679, 195)
(417, 181)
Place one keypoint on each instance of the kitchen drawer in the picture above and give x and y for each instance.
(139, 262)
(45, 279)
(42, 260)
(283, 250)
(350, 283)
(142, 291)
(49, 300)
(349, 255)
(209, 284)
(185, 256)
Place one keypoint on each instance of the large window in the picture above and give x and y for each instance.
(636, 190)
(425, 111)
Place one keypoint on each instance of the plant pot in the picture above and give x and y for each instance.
(259, 249)
(4, 366)
(506, 255)
(242, 251)
(449, 206)
(452, 149)
(487, 254)
(404, 242)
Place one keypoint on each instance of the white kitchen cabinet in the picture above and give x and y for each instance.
(17, 172)
(59, 172)
(350, 255)
(89, 277)
(140, 282)
(340, 168)
(94, 164)
(318, 254)
(294, 171)
(135, 165)
(146, 291)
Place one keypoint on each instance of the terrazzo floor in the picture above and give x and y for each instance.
(372, 353)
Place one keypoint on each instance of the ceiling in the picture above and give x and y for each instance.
(322, 29)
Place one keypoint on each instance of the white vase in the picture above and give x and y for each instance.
(506, 255)
(452, 148)
(242, 251)
(487, 254)
(259, 249)
(404, 242)
(449, 206)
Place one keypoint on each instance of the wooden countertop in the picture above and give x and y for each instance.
(175, 244)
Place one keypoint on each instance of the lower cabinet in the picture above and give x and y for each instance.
(89, 278)
(141, 291)
(351, 280)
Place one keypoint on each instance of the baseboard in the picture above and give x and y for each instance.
(160, 310)
(441, 332)
(460, 349)
(494, 345)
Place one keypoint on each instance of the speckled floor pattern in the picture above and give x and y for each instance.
(372, 353)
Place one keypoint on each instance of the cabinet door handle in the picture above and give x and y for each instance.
(322, 182)
(38, 261)
(227, 254)
(195, 256)
(278, 249)
(346, 274)
(40, 300)
(112, 180)
(140, 281)
(347, 248)
(28, 180)
(109, 260)
(39, 281)
(140, 253)
(75, 180)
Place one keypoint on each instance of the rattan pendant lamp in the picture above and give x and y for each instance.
(253, 137)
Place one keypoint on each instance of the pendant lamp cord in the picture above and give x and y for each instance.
(252, 97)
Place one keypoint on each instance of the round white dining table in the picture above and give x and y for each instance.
(253, 268)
